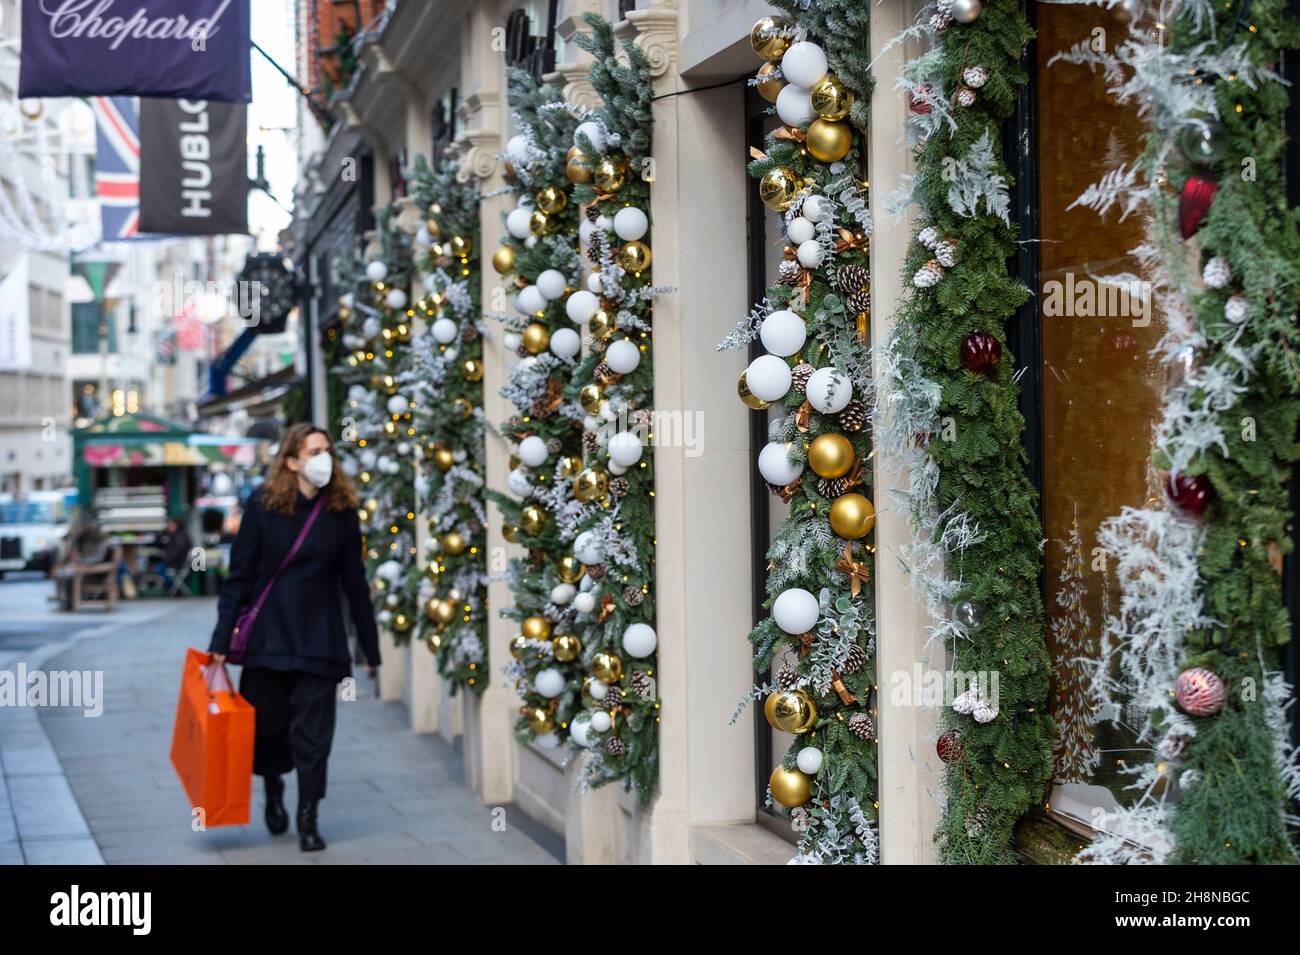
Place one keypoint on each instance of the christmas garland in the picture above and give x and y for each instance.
(610, 519)
(821, 633)
(538, 259)
(377, 434)
(954, 423)
(446, 380)
(1196, 649)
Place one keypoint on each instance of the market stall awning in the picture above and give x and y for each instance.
(145, 440)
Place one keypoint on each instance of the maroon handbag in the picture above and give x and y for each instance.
(247, 617)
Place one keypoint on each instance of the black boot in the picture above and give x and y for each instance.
(277, 817)
(309, 838)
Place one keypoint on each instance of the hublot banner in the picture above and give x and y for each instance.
(193, 167)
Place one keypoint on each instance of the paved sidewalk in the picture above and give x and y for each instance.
(394, 796)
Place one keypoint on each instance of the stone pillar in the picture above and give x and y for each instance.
(909, 769)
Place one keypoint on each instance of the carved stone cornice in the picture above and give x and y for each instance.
(655, 32)
(575, 83)
(476, 149)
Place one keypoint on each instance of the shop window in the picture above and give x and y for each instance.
(534, 53)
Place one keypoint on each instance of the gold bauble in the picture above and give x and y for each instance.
(771, 37)
(401, 622)
(432, 642)
(503, 260)
(551, 199)
(539, 223)
(510, 532)
(831, 455)
(778, 188)
(508, 170)
(390, 385)
(830, 100)
(463, 407)
(536, 338)
(536, 628)
(590, 398)
(566, 647)
(431, 224)
(518, 646)
(828, 140)
(635, 256)
(607, 668)
(790, 787)
(459, 246)
(577, 172)
(568, 466)
(610, 175)
(432, 571)
(852, 516)
(432, 607)
(769, 86)
(390, 429)
(540, 720)
(472, 369)
(591, 484)
(603, 325)
(443, 459)
(748, 397)
(790, 711)
(532, 519)
(569, 569)
(454, 544)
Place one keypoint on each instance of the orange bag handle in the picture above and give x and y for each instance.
(218, 674)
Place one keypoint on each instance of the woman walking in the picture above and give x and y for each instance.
(298, 548)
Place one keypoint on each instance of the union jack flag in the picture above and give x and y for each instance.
(117, 165)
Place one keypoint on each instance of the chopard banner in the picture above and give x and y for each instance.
(193, 167)
(174, 49)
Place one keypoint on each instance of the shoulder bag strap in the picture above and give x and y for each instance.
(293, 551)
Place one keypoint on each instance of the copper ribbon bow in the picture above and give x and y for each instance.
(858, 573)
(805, 277)
(788, 492)
(606, 608)
(849, 240)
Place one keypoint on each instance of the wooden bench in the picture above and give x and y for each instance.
(76, 581)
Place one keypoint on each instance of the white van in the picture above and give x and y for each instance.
(32, 529)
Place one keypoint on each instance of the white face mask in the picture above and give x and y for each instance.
(319, 468)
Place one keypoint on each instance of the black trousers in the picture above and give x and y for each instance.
(294, 725)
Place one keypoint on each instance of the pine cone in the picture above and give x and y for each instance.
(860, 725)
(606, 375)
(853, 277)
(639, 682)
(615, 746)
(786, 677)
(939, 22)
(514, 423)
(945, 253)
(789, 272)
(522, 351)
(928, 275)
(965, 97)
(853, 660)
(859, 301)
(640, 418)
(553, 446)
(978, 821)
(831, 488)
(1217, 274)
(619, 487)
(593, 254)
(632, 596)
(974, 76)
(469, 334)
(540, 409)
(590, 442)
(799, 377)
(592, 213)
(928, 236)
(595, 571)
(854, 415)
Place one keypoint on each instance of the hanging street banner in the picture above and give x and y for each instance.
(193, 167)
(179, 49)
(15, 319)
(117, 165)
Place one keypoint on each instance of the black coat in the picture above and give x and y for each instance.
(300, 626)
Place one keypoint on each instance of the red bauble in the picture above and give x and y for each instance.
(1200, 692)
(980, 353)
(950, 747)
(1189, 494)
(1193, 204)
(916, 104)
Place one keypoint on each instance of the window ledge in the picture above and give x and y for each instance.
(743, 844)
(1041, 840)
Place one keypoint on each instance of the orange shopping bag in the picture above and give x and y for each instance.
(212, 744)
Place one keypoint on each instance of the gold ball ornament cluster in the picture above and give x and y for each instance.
(591, 484)
(472, 369)
(607, 668)
(443, 459)
(828, 140)
(577, 171)
(778, 188)
(536, 628)
(551, 200)
(540, 223)
(831, 455)
(830, 99)
(536, 338)
(610, 174)
(532, 519)
(790, 787)
(852, 516)
(454, 543)
(790, 711)
(566, 647)
(771, 37)
(540, 720)
(749, 399)
(503, 260)
(603, 325)
(769, 84)
(635, 256)
(569, 569)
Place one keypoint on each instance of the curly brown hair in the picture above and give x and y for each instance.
(280, 492)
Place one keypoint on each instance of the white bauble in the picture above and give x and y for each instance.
(517, 150)
(794, 106)
(525, 201)
(562, 594)
(423, 238)
(597, 689)
(547, 741)
(587, 548)
(530, 301)
(795, 610)
(623, 356)
(348, 300)
(639, 640)
(444, 331)
(768, 378)
(594, 131)
(783, 333)
(356, 393)
(398, 404)
(601, 721)
(774, 464)
(517, 481)
(528, 361)
(604, 223)
(549, 682)
(429, 281)
(810, 254)
(511, 340)
(530, 242)
(389, 570)
(565, 342)
(584, 603)
(396, 299)
(384, 616)
(376, 271)
(586, 229)
(532, 451)
(816, 208)
(804, 64)
(625, 449)
(616, 469)
(630, 223)
(551, 284)
(800, 229)
(368, 458)
(593, 283)
(589, 423)
(371, 327)
(809, 760)
(517, 223)
(579, 728)
(829, 390)
(581, 306)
